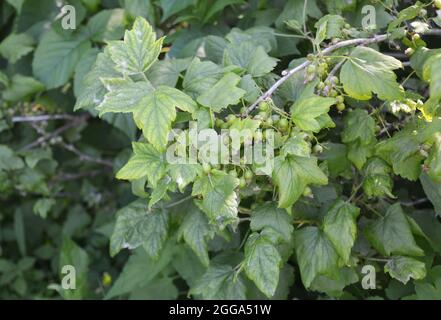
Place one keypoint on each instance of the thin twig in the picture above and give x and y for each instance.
(44, 117)
(86, 157)
(331, 75)
(75, 176)
(433, 32)
(327, 51)
(171, 205)
(53, 134)
(414, 203)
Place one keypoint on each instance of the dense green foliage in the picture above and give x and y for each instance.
(352, 114)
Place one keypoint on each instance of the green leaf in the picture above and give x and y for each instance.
(392, 234)
(299, 11)
(183, 174)
(334, 286)
(158, 110)
(218, 6)
(143, 8)
(254, 60)
(94, 91)
(336, 158)
(304, 113)
(340, 226)
(402, 151)
(269, 216)
(404, 268)
(296, 146)
(171, 7)
(43, 206)
(433, 191)
(220, 201)
(22, 87)
(9, 160)
(196, 231)
(124, 95)
(138, 51)
(262, 263)
(367, 71)
(404, 15)
(106, 25)
(377, 182)
(431, 73)
(16, 46)
(329, 27)
(71, 254)
(157, 289)
(146, 161)
(224, 93)
(219, 283)
(154, 110)
(315, 254)
(159, 192)
(167, 72)
(200, 77)
(433, 162)
(136, 226)
(82, 70)
(56, 58)
(139, 270)
(359, 125)
(292, 174)
(17, 4)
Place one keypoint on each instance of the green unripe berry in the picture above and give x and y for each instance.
(335, 80)
(269, 122)
(321, 85)
(264, 106)
(410, 51)
(340, 99)
(230, 118)
(283, 124)
(322, 68)
(317, 149)
(206, 167)
(276, 118)
(310, 57)
(219, 123)
(341, 107)
(437, 4)
(333, 93)
(311, 69)
(307, 192)
(248, 175)
(263, 115)
(242, 182)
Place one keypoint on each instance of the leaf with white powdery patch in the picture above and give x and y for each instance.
(136, 226)
(138, 51)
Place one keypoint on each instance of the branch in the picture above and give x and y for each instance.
(332, 74)
(44, 117)
(432, 32)
(86, 157)
(54, 134)
(327, 51)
